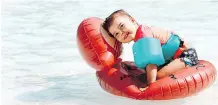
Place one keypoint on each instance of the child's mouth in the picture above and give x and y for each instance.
(127, 34)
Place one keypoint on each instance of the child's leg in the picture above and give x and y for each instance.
(151, 70)
(173, 66)
(188, 58)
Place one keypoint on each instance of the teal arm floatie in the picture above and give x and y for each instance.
(171, 46)
(148, 51)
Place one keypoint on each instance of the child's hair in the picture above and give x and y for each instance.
(109, 20)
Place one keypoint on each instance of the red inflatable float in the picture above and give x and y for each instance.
(122, 78)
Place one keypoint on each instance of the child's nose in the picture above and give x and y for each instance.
(122, 30)
(122, 33)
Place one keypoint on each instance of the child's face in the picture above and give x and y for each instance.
(123, 28)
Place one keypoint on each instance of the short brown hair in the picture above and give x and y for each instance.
(109, 20)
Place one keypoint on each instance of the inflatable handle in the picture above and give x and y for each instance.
(92, 46)
(147, 51)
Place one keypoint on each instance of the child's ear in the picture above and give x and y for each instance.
(133, 20)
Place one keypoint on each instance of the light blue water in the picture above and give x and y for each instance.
(41, 64)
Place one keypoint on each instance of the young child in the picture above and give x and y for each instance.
(125, 29)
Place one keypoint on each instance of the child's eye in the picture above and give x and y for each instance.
(122, 25)
(116, 34)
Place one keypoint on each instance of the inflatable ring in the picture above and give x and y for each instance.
(123, 78)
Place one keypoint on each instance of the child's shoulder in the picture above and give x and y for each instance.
(156, 27)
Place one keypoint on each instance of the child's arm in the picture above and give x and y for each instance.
(163, 35)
